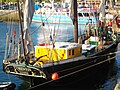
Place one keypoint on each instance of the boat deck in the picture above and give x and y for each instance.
(46, 63)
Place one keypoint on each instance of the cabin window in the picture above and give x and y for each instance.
(64, 46)
(80, 15)
(95, 13)
(73, 52)
(80, 50)
(91, 14)
(69, 52)
(86, 14)
(54, 14)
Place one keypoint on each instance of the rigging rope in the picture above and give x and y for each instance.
(35, 30)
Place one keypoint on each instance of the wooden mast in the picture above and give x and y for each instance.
(23, 44)
(75, 21)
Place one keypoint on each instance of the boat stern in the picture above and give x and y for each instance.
(23, 70)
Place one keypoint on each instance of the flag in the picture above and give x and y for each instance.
(14, 32)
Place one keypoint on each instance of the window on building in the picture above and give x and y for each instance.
(69, 52)
(80, 50)
(80, 15)
(86, 14)
(73, 52)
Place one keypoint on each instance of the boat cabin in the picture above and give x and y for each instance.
(87, 15)
(58, 51)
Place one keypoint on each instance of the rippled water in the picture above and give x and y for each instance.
(105, 82)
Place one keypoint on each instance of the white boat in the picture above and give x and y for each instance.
(59, 63)
(85, 14)
(7, 86)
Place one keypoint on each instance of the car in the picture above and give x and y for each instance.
(11, 7)
(5, 7)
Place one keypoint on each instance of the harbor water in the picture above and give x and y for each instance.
(99, 81)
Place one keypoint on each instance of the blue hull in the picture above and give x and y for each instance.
(62, 19)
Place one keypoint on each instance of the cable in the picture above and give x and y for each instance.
(35, 30)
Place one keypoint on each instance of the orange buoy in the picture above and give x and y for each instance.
(55, 76)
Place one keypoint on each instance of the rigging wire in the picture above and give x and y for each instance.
(109, 59)
(45, 20)
(54, 36)
(8, 46)
(35, 30)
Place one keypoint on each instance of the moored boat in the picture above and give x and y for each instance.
(7, 86)
(85, 14)
(60, 62)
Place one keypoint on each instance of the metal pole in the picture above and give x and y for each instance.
(75, 21)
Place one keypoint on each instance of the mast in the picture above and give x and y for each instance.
(23, 44)
(75, 20)
(28, 15)
(102, 10)
(111, 4)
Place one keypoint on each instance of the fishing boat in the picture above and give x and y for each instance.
(55, 62)
(64, 17)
